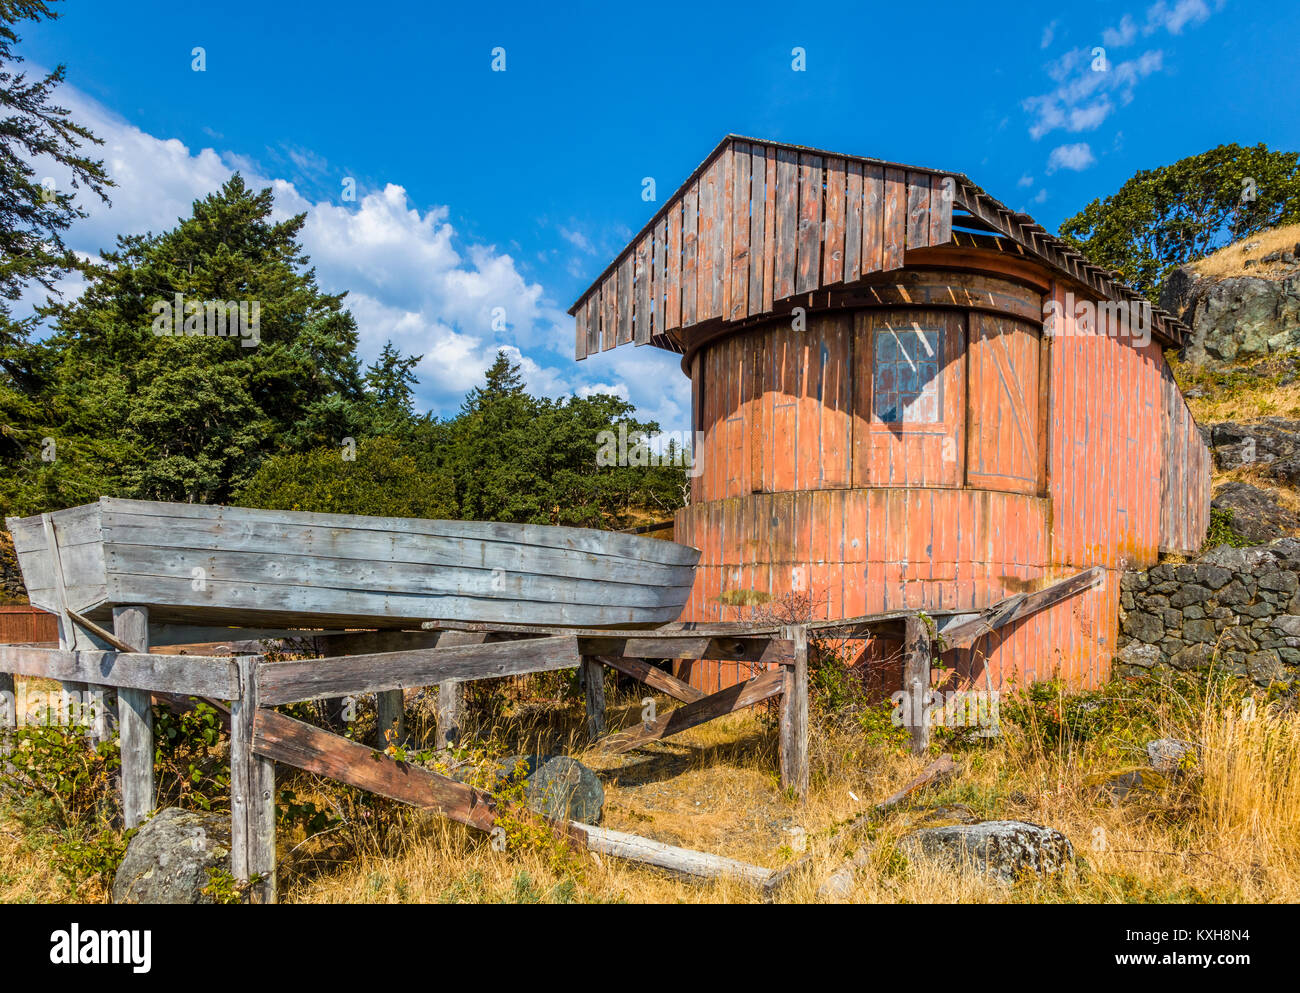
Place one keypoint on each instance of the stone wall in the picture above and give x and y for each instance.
(1235, 608)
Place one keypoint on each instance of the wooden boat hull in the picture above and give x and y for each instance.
(198, 564)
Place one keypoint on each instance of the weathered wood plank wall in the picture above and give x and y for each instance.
(757, 224)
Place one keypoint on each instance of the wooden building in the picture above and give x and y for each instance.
(909, 396)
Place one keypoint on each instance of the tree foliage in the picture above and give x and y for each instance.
(1166, 217)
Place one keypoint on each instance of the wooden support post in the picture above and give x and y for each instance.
(8, 702)
(593, 684)
(252, 793)
(391, 707)
(916, 681)
(794, 713)
(451, 713)
(135, 723)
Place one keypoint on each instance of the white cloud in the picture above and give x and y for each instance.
(1176, 16)
(1123, 34)
(1026, 180)
(411, 277)
(1082, 100)
(613, 389)
(1049, 33)
(1076, 157)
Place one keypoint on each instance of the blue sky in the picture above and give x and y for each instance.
(479, 189)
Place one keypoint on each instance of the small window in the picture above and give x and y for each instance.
(906, 385)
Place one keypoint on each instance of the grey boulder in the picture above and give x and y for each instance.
(169, 859)
(1005, 850)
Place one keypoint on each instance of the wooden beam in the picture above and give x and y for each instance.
(593, 688)
(315, 679)
(761, 649)
(135, 721)
(302, 746)
(965, 634)
(794, 714)
(681, 861)
(390, 726)
(654, 677)
(916, 681)
(8, 702)
(186, 675)
(725, 701)
(252, 793)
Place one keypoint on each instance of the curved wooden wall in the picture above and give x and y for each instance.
(925, 441)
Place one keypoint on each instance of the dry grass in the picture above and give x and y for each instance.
(1229, 261)
(1229, 830)
(1266, 387)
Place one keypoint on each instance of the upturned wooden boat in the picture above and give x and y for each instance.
(193, 564)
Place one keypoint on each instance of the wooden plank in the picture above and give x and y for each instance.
(833, 252)
(793, 730)
(302, 746)
(758, 183)
(709, 235)
(942, 189)
(135, 723)
(787, 223)
(641, 265)
(593, 689)
(658, 277)
(316, 679)
(1014, 608)
(593, 323)
(769, 229)
(690, 254)
(194, 675)
(726, 701)
(626, 299)
(918, 210)
(809, 267)
(653, 676)
(8, 704)
(723, 218)
(680, 861)
(894, 231)
(252, 794)
(390, 724)
(853, 219)
(673, 290)
(738, 300)
(873, 219)
(916, 681)
(608, 311)
(580, 324)
(450, 719)
(732, 649)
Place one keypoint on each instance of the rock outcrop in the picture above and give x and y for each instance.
(1005, 850)
(169, 859)
(1238, 318)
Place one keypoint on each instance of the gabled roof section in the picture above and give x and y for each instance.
(759, 222)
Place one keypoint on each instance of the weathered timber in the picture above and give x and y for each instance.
(267, 568)
(940, 768)
(965, 634)
(734, 649)
(8, 702)
(302, 746)
(725, 701)
(676, 860)
(252, 793)
(916, 681)
(793, 730)
(316, 679)
(654, 677)
(390, 725)
(135, 721)
(593, 688)
(187, 675)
